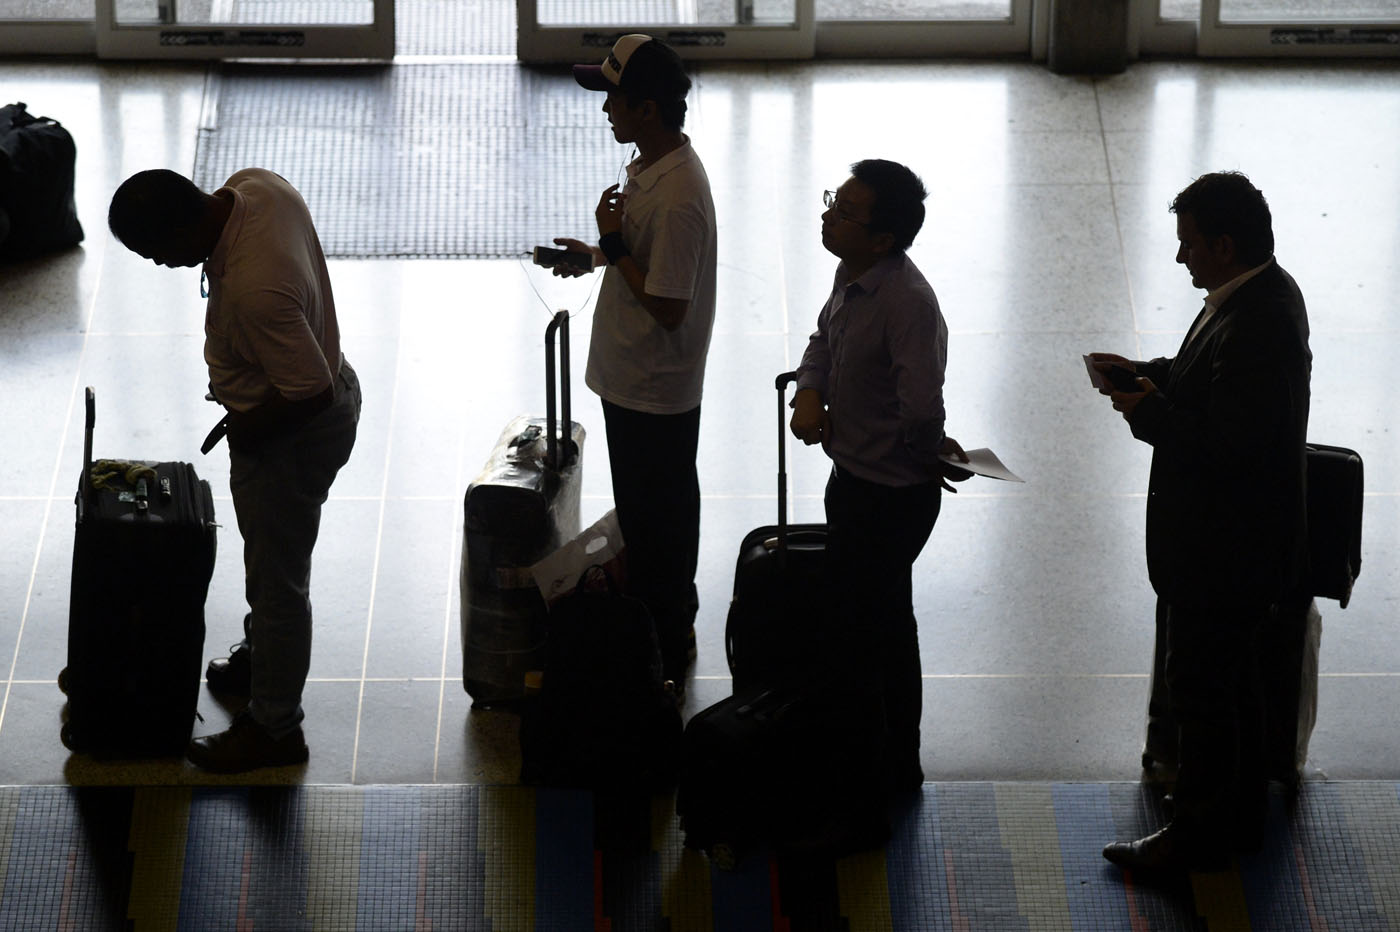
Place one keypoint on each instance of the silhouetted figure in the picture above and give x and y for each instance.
(651, 329)
(272, 344)
(870, 391)
(1226, 511)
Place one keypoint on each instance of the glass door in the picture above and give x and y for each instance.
(54, 27)
(563, 31)
(1279, 28)
(890, 28)
(323, 29)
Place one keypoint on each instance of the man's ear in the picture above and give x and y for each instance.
(1224, 248)
(649, 111)
(882, 243)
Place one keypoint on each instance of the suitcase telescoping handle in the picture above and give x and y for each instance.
(558, 455)
(89, 422)
(782, 382)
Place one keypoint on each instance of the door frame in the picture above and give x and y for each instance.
(171, 40)
(1318, 37)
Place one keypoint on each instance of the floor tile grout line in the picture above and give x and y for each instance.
(378, 547)
(452, 571)
(1117, 223)
(53, 486)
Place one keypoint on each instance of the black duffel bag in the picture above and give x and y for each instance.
(604, 717)
(37, 213)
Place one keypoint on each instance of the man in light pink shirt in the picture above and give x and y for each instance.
(272, 345)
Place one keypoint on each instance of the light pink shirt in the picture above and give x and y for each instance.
(270, 327)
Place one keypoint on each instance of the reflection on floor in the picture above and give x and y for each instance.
(995, 856)
(1048, 236)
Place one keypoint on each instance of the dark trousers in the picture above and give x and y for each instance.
(656, 490)
(875, 532)
(278, 491)
(1215, 697)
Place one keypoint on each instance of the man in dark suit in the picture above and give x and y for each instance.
(1226, 510)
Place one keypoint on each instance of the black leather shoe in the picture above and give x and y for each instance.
(232, 675)
(247, 746)
(1164, 852)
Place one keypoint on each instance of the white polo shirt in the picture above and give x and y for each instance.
(270, 325)
(668, 224)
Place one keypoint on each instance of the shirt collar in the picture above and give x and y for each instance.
(1222, 294)
(875, 276)
(218, 259)
(646, 178)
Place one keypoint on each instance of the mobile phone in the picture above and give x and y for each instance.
(1122, 378)
(549, 257)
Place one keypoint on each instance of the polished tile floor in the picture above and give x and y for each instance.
(1048, 236)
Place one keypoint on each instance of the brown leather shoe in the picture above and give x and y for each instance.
(1165, 852)
(247, 746)
(231, 675)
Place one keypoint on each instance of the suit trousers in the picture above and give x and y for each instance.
(656, 488)
(1215, 697)
(278, 490)
(875, 532)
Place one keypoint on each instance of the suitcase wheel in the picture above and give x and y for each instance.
(63, 681)
(722, 855)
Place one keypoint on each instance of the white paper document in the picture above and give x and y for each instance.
(1095, 376)
(983, 462)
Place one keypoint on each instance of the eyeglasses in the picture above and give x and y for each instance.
(829, 199)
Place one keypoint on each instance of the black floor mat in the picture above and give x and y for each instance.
(482, 159)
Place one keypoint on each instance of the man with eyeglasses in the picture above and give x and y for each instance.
(870, 391)
(651, 330)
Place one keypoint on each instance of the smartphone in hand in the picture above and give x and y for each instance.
(549, 257)
(1123, 379)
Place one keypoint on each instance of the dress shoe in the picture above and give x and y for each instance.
(1165, 852)
(247, 746)
(232, 675)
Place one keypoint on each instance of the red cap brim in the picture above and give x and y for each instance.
(591, 77)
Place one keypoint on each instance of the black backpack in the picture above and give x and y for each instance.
(37, 212)
(604, 718)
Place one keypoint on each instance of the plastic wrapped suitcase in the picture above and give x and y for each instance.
(521, 507)
(779, 589)
(143, 555)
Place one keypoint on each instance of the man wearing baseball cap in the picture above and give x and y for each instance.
(651, 329)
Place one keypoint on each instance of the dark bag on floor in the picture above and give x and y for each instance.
(772, 634)
(522, 507)
(37, 212)
(1335, 485)
(143, 554)
(604, 718)
(795, 767)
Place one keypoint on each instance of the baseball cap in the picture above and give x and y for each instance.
(638, 64)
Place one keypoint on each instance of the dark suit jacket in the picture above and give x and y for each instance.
(1226, 503)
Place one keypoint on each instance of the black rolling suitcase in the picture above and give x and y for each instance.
(772, 634)
(792, 766)
(143, 554)
(746, 762)
(521, 507)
